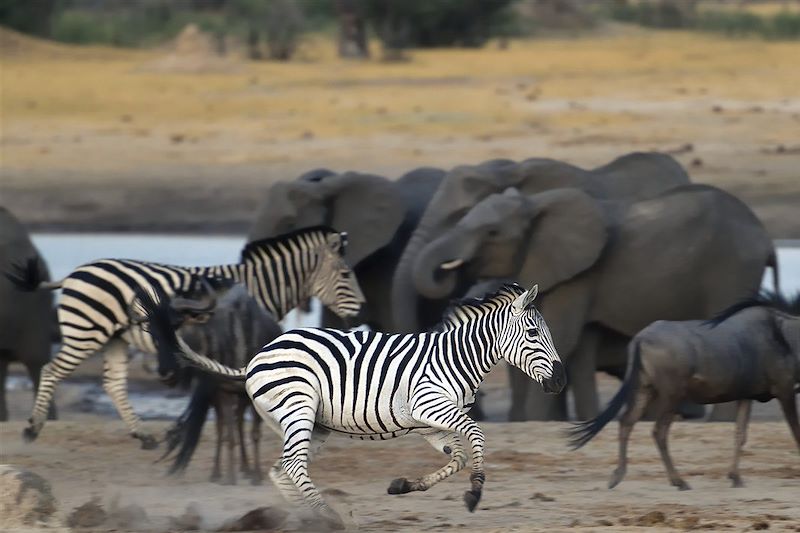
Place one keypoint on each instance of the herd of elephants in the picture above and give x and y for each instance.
(612, 249)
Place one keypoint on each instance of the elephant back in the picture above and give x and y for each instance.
(686, 254)
(637, 176)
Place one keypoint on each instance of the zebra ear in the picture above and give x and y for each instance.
(518, 305)
(343, 236)
(531, 296)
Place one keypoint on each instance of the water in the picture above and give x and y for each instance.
(65, 251)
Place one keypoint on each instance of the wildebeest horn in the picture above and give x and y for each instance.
(199, 306)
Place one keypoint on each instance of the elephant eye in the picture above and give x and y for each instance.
(533, 332)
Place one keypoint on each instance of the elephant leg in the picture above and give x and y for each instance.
(581, 370)
(3, 375)
(34, 372)
(724, 412)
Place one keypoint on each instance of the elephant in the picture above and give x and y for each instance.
(378, 214)
(627, 179)
(25, 319)
(605, 269)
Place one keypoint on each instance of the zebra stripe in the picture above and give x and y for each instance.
(311, 382)
(93, 312)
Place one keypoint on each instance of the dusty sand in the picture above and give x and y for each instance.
(86, 456)
(533, 482)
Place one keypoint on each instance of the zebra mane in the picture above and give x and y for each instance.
(295, 235)
(454, 317)
(771, 299)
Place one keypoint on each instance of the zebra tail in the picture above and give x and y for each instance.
(28, 277)
(209, 365)
(194, 418)
(583, 432)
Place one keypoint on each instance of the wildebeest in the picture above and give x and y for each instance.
(230, 333)
(750, 351)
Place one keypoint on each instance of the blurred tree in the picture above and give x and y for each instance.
(352, 29)
(280, 22)
(427, 23)
(29, 16)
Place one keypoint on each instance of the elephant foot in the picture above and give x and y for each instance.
(736, 480)
(471, 499)
(148, 441)
(399, 486)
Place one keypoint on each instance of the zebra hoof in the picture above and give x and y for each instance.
(399, 486)
(29, 434)
(471, 499)
(148, 442)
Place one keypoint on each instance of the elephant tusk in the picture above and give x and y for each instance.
(452, 264)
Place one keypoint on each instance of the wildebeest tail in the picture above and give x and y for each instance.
(186, 432)
(583, 432)
(28, 277)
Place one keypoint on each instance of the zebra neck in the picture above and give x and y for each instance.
(277, 290)
(474, 344)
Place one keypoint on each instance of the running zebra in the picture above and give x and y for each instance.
(93, 312)
(311, 382)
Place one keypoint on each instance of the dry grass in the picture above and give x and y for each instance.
(88, 134)
(476, 91)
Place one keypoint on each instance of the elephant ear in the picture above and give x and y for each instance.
(369, 208)
(288, 206)
(569, 231)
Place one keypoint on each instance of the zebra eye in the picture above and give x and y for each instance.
(533, 332)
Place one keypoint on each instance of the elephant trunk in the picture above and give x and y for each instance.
(437, 265)
(404, 293)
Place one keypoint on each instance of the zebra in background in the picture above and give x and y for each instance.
(279, 273)
(311, 382)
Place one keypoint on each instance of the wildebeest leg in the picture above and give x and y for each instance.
(216, 472)
(230, 435)
(742, 419)
(241, 406)
(790, 412)
(3, 375)
(35, 373)
(660, 434)
(255, 434)
(632, 414)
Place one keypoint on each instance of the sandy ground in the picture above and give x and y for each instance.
(534, 482)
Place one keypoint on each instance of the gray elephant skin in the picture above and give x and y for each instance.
(605, 269)
(25, 318)
(628, 178)
(378, 214)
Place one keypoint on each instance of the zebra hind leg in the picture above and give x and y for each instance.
(115, 383)
(445, 441)
(61, 366)
(281, 479)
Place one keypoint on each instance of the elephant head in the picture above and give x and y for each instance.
(366, 207)
(549, 237)
(627, 178)
(461, 189)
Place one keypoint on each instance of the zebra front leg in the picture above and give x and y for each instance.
(62, 365)
(115, 383)
(445, 441)
(441, 413)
